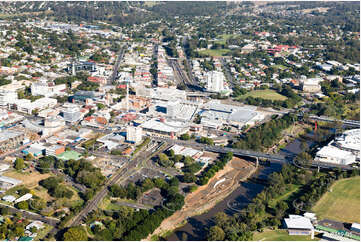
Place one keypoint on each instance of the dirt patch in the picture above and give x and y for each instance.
(30, 180)
(205, 197)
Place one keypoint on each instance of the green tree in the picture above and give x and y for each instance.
(215, 233)
(19, 164)
(75, 234)
(185, 137)
(100, 106)
(22, 205)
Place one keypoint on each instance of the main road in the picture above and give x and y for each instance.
(116, 65)
(131, 165)
(218, 149)
(31, 215)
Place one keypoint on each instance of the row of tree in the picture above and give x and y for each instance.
(211, 169)
(265, 135)
(261, 213)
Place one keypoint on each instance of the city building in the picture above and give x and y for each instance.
(332, 154)
(186, 151)
(47, 89)
(7, 97)
(111, 140)
(26, 106)
(349, 141)
(214, 115)
(162, 128)
(215, 81)
(81, 66)
(53, 124)
(10, 139)
(8, 119)
(299, 225)
(35, 150)
(54, 150)
(8, 182)
(355, 227)
(134, 134)
(72, 113)
(311, 85)
(337, 231)
(82, 96)
(9, 198)
(25, 197)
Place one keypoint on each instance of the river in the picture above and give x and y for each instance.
(195, 229)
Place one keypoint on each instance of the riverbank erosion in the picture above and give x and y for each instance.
(207, 196)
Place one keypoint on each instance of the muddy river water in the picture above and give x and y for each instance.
(195, 229)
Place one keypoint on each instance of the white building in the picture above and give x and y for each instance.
(215, 81)
(26, 106)
(7, 97)
(9, 198)
(163, 128)
(299, 225)
(24, 198)
(331, 154)
(134, 134)
(8, 182)
(72, 113)
(47, 89)
(53, 124)
(349, 141)
(215, 114)
(311, 85)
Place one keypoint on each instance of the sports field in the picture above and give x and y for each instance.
(217, 52)
(265, 94)
(342, 202)
(69, 155)
(280, 235)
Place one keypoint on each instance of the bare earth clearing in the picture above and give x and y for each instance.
(207, 196)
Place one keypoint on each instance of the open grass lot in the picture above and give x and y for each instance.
(210, 52)
(280, 235)
(30, 180)
(106, 204)
(343, 203)
(265, 94)
(282, 67)
(224, 37)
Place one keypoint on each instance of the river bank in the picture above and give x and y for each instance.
(196, 226)
(206, 197)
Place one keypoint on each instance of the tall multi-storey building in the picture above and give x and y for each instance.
(72, 114)
(7, 97)
(215, 81)
(134, 134)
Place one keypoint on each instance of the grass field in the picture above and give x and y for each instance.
(282, 67)
(280, 235)
(343, 203)
(265, 94)
(210, 52)
(291, 189)
(224, 37)
(107, 205)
